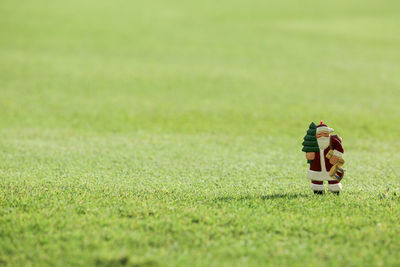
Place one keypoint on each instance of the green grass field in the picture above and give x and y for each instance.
(159, 133)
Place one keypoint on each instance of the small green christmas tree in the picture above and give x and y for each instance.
(310, 143)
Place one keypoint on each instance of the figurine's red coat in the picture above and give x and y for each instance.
(336, 145)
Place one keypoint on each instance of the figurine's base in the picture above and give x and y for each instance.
(323, 192)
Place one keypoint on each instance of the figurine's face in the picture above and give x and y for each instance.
(322, 134)
(323, 139)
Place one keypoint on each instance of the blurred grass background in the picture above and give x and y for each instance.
(230, 66)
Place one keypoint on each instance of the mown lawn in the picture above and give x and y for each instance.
(159, 133)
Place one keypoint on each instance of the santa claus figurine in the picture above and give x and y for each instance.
(321, 164)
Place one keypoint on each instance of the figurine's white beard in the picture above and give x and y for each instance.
(323, 142)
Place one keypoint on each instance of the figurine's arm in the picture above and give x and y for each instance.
(337, 151)
(310, 155)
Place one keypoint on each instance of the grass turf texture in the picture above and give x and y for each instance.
(169, 133)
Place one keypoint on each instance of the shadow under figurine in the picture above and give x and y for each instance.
(324, 153)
